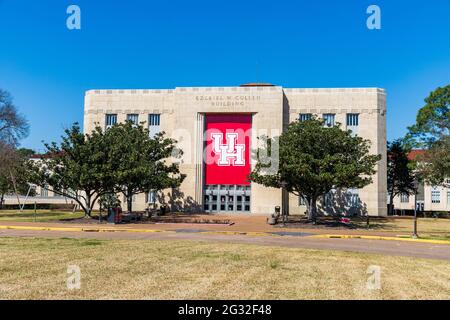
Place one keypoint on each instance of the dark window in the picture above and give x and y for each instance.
(206, 207)
(329, 119)
(247, 208)
(301, 201)
(239, 207)
(404, 198)
(153, 124)
(230, 207)
(111, 119)
(154, 119)
(247, 198)
(214, 207)
(352, 119)
(133, 118)
(239, 198)
(304, 116)
(222, 207)
(435, 196)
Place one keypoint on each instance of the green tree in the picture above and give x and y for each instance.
(314, 159)
(400, 177)
(14, 173)
(109, 200)
(77, 168)
(434, 165)
(433, 119)
(432, 131)
(13, 126)
(140, 163)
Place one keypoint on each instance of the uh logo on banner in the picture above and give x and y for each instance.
(227, 153)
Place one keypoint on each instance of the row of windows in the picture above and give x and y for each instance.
(329, 118)
(154, 121)
(227, 187)
(223, 198)
(351, 198)
(435, 197)
(230, 207)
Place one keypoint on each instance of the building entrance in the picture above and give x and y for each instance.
(227, 198)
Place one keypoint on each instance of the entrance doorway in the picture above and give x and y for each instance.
(227, 198)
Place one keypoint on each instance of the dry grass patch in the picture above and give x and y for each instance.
(426, 227)
(123, 269)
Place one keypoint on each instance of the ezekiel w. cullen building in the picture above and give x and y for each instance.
(217, 128)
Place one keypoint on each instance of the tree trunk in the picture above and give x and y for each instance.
(13, 180)
(130, 203)
(312, 212)
(391, 203)
(88, 209)
(1, 201)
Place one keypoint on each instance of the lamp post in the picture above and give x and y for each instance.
(415, 235)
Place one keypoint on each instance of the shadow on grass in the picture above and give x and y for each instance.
(375, 223)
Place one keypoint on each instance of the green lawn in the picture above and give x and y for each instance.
(32, 268)
(40, 216)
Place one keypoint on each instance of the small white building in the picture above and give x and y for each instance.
(432, 198)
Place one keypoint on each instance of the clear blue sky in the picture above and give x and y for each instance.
(164, 44)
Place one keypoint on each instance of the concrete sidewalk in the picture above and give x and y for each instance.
(241, 225)
(393, 248)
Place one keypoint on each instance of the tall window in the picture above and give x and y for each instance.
(352, 119)
(133, 117)
(353, 197)
(435, 196)
(329, 119)
(328, 199)
(304, 116)
(404, 198)
(111, 119)
(353, 122)
(151, 196)
(154, 124)
(44, 192)
(448, 197)
(301, 201)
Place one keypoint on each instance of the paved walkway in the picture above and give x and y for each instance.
(241, 223)
(396, 248)
(245, 229)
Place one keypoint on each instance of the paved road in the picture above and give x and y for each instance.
(395, 248)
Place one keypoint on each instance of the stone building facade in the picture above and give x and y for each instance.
(184, 112)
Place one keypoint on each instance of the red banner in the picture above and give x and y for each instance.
(227, 152)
